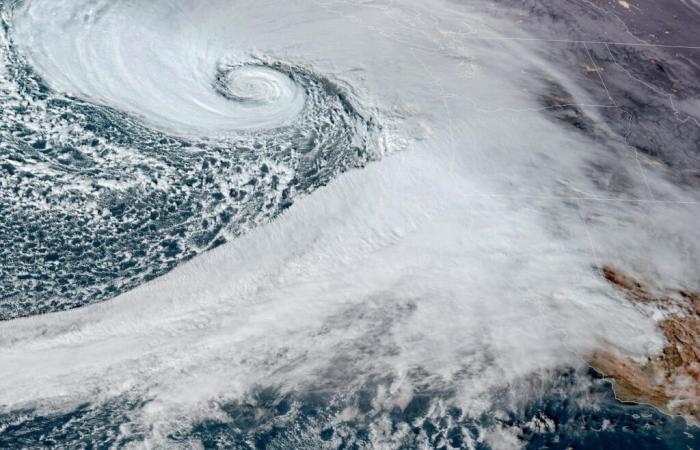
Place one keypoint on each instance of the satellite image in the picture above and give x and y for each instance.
(350, 224)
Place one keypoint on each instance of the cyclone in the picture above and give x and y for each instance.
(120, 190)
(177, 78)
(340, 224)
(256, 84)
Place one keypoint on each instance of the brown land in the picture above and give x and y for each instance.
(669, 380)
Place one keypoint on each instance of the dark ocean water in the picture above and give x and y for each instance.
(94, 203)
(574, 410)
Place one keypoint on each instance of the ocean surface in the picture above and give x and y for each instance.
(340, 224)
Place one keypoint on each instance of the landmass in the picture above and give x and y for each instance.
(669, 380)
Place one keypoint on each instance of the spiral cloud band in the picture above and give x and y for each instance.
(168, 72)
(98, 201)
(325, 223)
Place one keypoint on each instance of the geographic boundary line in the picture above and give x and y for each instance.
(573, 41)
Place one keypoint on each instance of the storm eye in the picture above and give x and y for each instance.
(255, 84)
(128, 201)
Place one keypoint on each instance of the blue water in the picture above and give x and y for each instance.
(576, 410)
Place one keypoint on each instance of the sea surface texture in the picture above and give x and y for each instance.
(336, 224)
